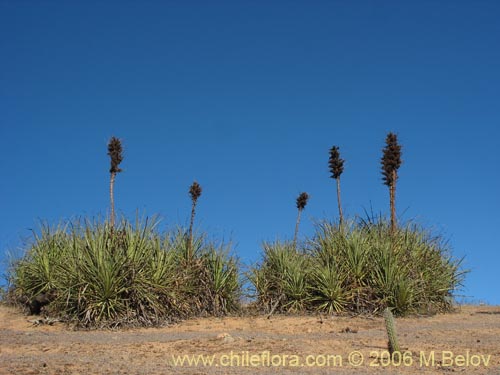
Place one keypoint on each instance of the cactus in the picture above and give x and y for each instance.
(393, 345)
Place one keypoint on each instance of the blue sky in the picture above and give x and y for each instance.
(247, 98)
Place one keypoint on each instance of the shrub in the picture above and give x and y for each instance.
(361, 266)
(130, 275)
(281, 279)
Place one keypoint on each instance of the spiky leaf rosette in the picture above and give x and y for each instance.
(391, 159)
(302, 201)
(115, 153)
(195, 191)
(335, 162)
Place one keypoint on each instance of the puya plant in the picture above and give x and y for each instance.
(195, 193)
(115, 153)
(301, 204)
(391, 161)
(336, 165)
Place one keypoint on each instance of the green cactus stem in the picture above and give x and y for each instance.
(393, 345)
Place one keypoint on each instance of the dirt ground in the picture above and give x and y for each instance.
(467, 342)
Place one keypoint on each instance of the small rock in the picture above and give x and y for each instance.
(225, 337)
(349, 330)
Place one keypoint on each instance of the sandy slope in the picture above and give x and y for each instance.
(465, 342)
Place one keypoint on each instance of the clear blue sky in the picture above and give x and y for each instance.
(247, 98)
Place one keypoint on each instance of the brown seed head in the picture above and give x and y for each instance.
(195, 191)
(115, 153)
(336, 163)
(302, 201)
(391, 159)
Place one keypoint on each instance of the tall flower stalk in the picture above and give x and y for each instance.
(336, 168)
(391, 161)
(195, 192)
(301, 204)
(115, 153)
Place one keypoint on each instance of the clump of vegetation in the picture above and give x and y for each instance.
(134, 275)
(362, 267)
(104, 274)
(281, 280)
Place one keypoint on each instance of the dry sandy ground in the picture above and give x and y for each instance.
(465, 342)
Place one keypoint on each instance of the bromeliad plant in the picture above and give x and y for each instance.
(115, 153)
(301, 204)
(336, 165)
(194, 192)
(221, 279)
(391, 161)
(97, 278)
(280, 281)
(362, 267)
(97, 275)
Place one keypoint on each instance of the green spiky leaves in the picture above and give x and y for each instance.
(129, 276)
(115, 153)
(336, 163)
(302, 200)
(391, 159)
